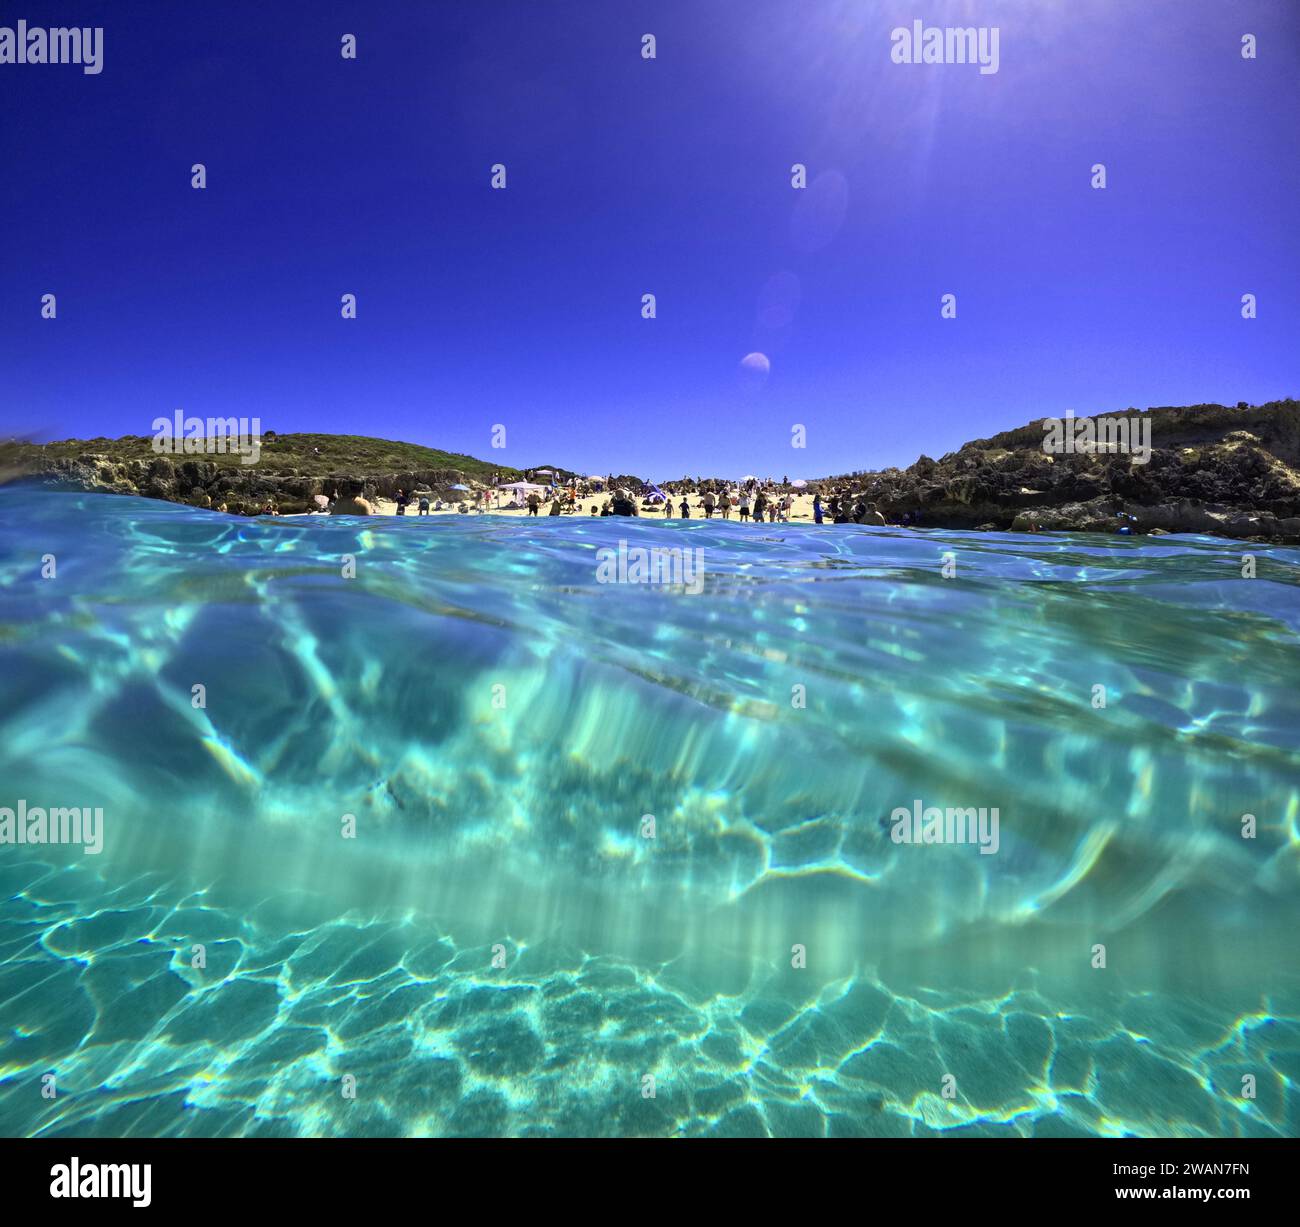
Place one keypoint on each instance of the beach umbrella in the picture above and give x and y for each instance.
(543, 472)
(458, 486)
(800, 484)
(749, 477)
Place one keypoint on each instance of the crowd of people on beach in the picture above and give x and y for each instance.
(750, 500)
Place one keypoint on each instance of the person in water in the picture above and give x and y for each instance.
(623, 504)
(351, 503)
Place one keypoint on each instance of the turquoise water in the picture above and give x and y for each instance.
(504, 948)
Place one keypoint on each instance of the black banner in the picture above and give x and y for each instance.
(183, 1176)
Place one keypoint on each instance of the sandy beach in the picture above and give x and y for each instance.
(802, 511)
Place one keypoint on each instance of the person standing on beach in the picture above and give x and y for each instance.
(401, 500)
(533, 503)
(760, 506)
(817, 509)
(744, 504)
(708, 504)
(686, 508)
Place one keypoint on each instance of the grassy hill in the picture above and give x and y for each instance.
(309, 455)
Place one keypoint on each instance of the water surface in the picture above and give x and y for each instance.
(501, 949)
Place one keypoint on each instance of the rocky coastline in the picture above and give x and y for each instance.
(1213, 469)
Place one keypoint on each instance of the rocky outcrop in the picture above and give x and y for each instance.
(1212, 469)
(241, 489)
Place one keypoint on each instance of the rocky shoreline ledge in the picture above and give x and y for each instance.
(243, 491)
(1232, 472)
(290, 470)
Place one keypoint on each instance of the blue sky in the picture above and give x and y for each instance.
(625, 176)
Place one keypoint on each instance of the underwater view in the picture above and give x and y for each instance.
(848, 832)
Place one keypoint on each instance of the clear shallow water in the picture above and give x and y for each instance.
(499, 723)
